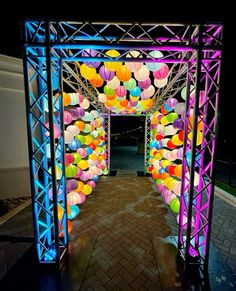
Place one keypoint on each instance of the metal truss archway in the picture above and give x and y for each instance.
(55, 47)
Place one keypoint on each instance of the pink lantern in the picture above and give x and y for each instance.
(73, 198)
(177, 188)
(82, 198)
(180, 153)
(147, 93)
(82, 152)
(134, 66)
(92, 184)
(121, 91)
(169, 197)
(84, 176)
(145, 84)
(69, 159)
(67, 117)
(162, 72)
(56, 130)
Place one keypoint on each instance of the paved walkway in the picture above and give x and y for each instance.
(16, 237)
(124, 213)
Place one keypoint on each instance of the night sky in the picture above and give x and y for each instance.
(11, 44)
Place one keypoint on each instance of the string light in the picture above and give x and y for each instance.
(127, 131)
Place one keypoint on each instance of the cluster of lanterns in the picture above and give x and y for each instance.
(85, 157)
(126, 87)
(167, 136)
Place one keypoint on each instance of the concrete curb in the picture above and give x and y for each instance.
(225, 196)
(14, 211)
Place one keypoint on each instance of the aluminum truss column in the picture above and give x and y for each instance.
(107, 124)
(147, 143)
(198, 174)
(46, 152)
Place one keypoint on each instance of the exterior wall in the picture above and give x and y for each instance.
(14, 169)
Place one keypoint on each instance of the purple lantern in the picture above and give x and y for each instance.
(91, 53)
(106, 74)
(171, 102)
(71, 185)
(178, 123)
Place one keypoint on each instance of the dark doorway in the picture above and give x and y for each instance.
(127, 143)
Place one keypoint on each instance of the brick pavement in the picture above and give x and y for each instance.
(125, 213)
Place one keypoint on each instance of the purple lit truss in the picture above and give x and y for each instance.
(194, 53)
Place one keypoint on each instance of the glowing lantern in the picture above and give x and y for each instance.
(135, 92)
(71, 185)
(70, 170)
(153, 66)
(69, 159)
(113, 66)
(87, 189)
(74, 144)
(68, 137)
(147, 93)
(134, 66)
(74, 211)
(87, 72)
(147, 104)
(130, 84)
(80, 124)
(123, 73)
(91, 53)
(177, 188)
(80, 186)
(56, 130)
(113, 83)
(97, 81)
(73, 129)
(88, 139)
(184, 91)
(67, 117)
(175, 205)
(106, 74)
(142, 74)
(162, 73)
(144, 84)
(121, 91)
(176, 141)
(199, 137)
(83, 164)
(178, 171)
(124, 103)
(85, 104)
(74, 98)
(160, 83)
